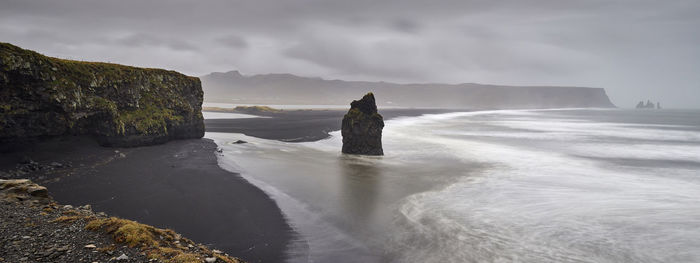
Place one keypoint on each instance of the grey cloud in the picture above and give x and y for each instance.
(138, 40)
(630, 47)
(233, 41)
(405, 25)
(379, 60)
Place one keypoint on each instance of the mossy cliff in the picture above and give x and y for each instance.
(119, 105)
(362, 128)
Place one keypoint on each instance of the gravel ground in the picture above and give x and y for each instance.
(178, 185)
(34, 228)
(30, 233)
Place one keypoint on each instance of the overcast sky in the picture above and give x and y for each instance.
(636, 49)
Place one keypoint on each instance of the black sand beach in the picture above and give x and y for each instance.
(176, 185)
(179, 185)
(300, 125)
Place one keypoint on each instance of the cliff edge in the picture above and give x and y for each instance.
(118, 105)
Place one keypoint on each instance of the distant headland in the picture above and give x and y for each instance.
(233, 87)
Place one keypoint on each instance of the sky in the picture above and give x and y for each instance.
(635, 49)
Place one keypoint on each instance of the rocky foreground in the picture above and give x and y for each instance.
(34, 228)
(177, 185)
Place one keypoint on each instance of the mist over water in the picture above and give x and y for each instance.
(533, 186)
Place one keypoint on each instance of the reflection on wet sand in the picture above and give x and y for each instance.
(360, 186)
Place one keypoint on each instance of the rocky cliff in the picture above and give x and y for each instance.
(362, 128)
(119, 105)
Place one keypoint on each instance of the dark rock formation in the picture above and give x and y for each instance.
(648, 105)
(21, 190)
(362, 128)
(119, 105)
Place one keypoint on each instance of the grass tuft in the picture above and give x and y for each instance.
(157, 243)
(68, 219)
(125, 231)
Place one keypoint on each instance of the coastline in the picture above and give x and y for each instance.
(301, 125)
(177, 185)
(438, 163)
(213, 205)
(292, 126)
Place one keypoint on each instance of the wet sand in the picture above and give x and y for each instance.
(177, 185)
(300, 125)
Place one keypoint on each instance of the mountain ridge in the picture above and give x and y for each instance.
(284, 88)
(237, 72)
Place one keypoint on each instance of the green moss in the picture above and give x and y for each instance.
(157, 243)
(354, 114)
(152, 118)
(106, 105)
(149, 120)
(8, 110)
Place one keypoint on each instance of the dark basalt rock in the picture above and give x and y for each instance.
(21, 190)
(362, 128)
(648, 105)
(119, 105)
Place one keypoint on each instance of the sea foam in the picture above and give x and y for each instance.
(491, 186)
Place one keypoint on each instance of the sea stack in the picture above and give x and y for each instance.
(362, 128)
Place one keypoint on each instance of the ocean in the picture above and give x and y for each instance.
(491, 186)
